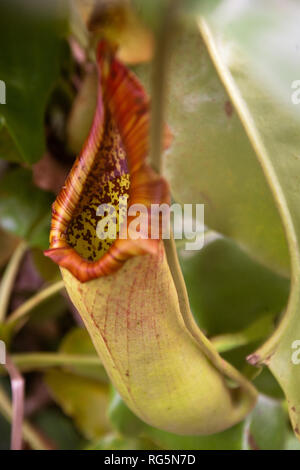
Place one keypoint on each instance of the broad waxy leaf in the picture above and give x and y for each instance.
(25, 210)
(58, 428)
(31, 51)
(230, 439)
(115, 442)
(275, 26)
(83, 399)
(275, 137)
(222, 277)
(8, 243)
(266, 384)
(212, 161)
(122, 418)
(8, 150)
(5, 433)
(267, 427)
(77, 341)
(135, 307)
(291, 443)
(48, 271)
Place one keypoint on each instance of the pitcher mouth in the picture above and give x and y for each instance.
(111, 164)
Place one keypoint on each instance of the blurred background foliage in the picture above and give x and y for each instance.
(238, 284)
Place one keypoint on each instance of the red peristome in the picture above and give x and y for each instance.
(121, 94)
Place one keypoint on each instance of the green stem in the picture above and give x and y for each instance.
(159, 73)
(9, 277)
(30, 435)
(35, 361)
(34, 301)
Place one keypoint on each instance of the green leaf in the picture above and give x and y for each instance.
(258, 330)
(113, 442)
(223, 278)
(151, 12)
(8, 244)
(31, 38)
(78, 341)
(231, 439)
(292, 443)
(48, 270)
(39, 233)
(25, 210)
(5, 434)
(52, 307)
(266, 30)
(200, 6)
(266, 384)
(58, 428)
(212, 160)
(83, 399)
(268, 426)
(274, 135)
(122, 418)
(8, 150)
